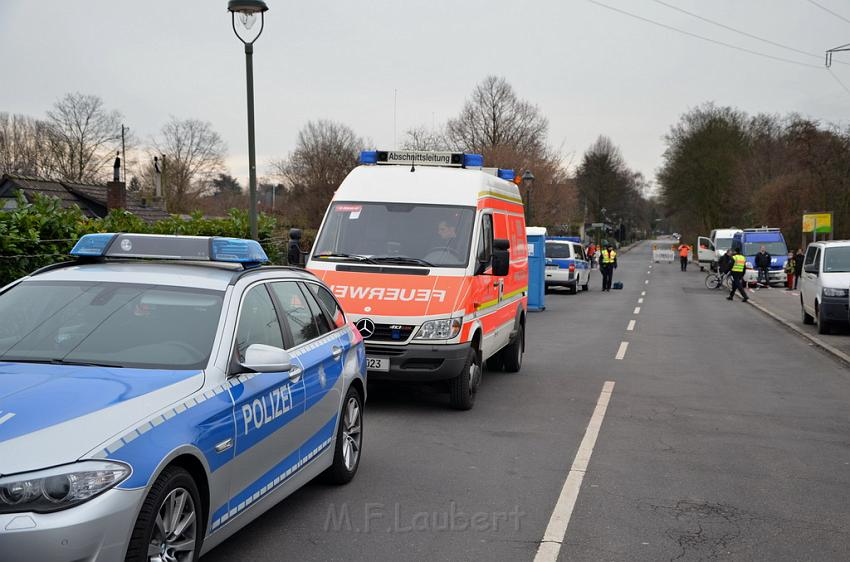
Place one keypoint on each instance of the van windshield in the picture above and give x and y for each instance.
(837, 260)
(773, 248)
(723, 244)
(435, 235)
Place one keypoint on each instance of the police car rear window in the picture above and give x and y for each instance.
(110, 324)
(558, 251)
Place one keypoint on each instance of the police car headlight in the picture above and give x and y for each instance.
(439, 329)
(59, 488)
(830, 292)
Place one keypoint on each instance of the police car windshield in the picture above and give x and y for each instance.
(773, 248)
(416, 234)
(120, 324)
(557, 251)
(837, 260)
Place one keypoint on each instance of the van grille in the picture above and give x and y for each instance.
(391, 332)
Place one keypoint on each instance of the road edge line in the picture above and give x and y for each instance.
(556, 529)
(840, 355)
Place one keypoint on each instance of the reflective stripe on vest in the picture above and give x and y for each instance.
(740, 263)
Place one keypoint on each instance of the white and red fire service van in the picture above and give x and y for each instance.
(426, 252)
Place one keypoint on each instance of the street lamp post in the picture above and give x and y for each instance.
(246, 12)
(528, 180)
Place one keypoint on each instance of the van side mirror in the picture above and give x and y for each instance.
(811, 268)
(501, 257)
(261, 358)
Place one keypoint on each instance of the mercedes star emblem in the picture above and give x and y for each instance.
(366, 327)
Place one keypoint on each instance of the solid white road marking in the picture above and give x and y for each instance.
(556, 530)
(624, 345)
(631, 326)
(637, 310)
(640, 301)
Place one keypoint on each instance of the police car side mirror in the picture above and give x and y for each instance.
(261, 358)
(501, 257)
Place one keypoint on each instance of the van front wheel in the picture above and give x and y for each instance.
(464, 387)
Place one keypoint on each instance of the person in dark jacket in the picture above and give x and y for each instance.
(798, 266)
(725, 263)
(762, 263)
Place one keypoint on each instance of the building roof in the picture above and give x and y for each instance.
(90, 199)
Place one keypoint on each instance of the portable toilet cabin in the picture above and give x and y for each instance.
(536, 237)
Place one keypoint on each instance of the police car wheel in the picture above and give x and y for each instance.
(464, 387)
(586, 286)
(169, 525)
(512, 354)
(349, 440)
(573, 289)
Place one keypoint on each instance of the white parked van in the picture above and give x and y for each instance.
(825, 283)
(710, 248)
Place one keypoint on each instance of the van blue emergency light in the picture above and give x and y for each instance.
(506, 174)
(151, 246)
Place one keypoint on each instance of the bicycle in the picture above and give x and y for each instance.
(718, 280)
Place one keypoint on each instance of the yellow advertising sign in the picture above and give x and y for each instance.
(817, 222)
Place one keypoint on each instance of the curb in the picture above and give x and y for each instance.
(817, 342)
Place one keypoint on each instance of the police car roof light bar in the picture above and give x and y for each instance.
(249, 253)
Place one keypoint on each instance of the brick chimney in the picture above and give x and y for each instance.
(116, 195)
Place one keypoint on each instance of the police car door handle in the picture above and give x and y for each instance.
(294, 374)
(337, 352)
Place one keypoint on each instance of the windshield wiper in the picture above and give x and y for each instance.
(403, 259)
(356, 257)
(61, 362)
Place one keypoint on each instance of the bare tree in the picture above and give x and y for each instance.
(423, 138)
(194, 155)
(24, 146)
(494, 116)
(325, 152)
(83, 137)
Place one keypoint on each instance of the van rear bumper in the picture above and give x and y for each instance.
(419, 362)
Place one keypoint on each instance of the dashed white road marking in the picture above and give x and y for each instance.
(624, 345)
(556, 530)
(631, 326)
(637, 310)
(646, 282)
(640, 301)
(643, 293)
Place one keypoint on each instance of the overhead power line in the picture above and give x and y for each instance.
(740, 31)
(840, 82)
(825, 9)
(704, 38)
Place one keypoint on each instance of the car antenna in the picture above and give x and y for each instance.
(413, 163)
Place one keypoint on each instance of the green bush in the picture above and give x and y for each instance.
(41, 232)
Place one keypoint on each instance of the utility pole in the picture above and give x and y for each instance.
(839, 49)
(123, 154)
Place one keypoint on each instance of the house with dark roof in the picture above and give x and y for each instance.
(93, 200)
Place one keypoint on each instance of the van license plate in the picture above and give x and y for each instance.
(378, 364)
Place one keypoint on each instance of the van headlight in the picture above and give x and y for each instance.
(444, 329)
(58, 488)
(830, 292)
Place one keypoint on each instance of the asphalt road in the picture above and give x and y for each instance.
(725, 437)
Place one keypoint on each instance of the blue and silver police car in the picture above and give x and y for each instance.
(150, 408)
(567, 264)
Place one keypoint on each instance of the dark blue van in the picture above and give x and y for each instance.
(750, 241)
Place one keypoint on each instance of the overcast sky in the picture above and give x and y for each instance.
(591, 70)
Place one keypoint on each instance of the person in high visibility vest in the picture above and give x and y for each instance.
(683, 256)
(739, 266)
(607, 265)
